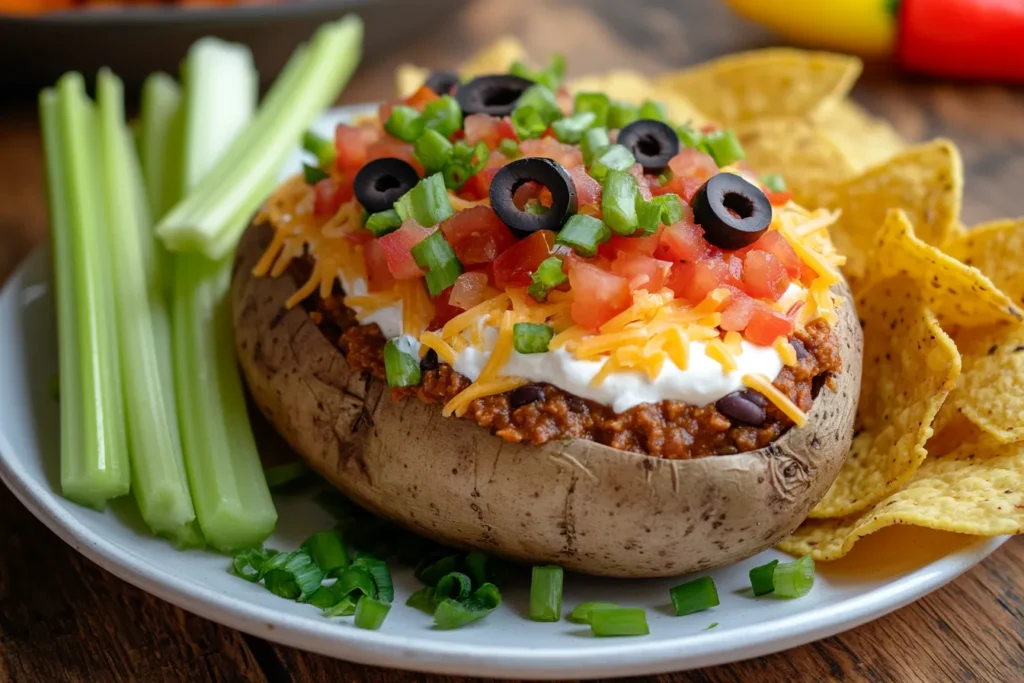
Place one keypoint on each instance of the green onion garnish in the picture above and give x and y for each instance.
(465, 162)
(423, 600)
(293, 575)
(671, 208)
(431, 573)
(405, 123)
(651, 109)
(314, 175)
(443, 115)
(584, 611)
(249, 564)
(452, 614)
(610, 158)
(724, 148)
(619, 621)
(453, 586)
(439, 259)
(433, 150)
(595, 102)
(353, 582)
(323, 598)
(694, 596)
(328, 551)
(689, 138)
(546, 586)
(401, 366)
(583, 233)
(531, 337)
(761, 580)
(370, 613)
(794, 579)
(594, 140)
(621, 114)
(283, 475)
(509, 148)
(551, 76)
(383, 222)
(344, 607)
(648, 216)
(321, 148)
(528, 122)
(618, 202)
(476, 567)
(774, 182)
(542, 99)
(570, 129)
(427, 203)
(381, 575)
(547, 276)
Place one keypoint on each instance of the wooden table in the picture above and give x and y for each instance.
(64, 619)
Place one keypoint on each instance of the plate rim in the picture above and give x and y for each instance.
(378, 648)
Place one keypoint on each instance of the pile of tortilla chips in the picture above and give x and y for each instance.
(940, 427)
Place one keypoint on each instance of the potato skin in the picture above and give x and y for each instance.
(585, 506)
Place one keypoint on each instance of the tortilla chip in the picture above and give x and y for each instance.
(629, 86)
(926, 181)
(865, 141)
(496, 58)
(910, 365)
(804, 155)
(977, 488)
(959, 294)
(994, 249)
(766, 83)
(409, 78)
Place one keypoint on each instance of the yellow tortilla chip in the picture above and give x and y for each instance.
(926, 181)
(959, 294)
(910, 365)
(496, 58)
(995, 249)
(629, 86)
(977, 488)
(765, 83)
(804, 155)
(865, 141)
(409, 78)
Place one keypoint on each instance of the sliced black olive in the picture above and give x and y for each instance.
(429, 361)
(733, 213)
(741, 407)
(495, 95)
(381, 182)
(546, 172)
(520, 397)
(652, 143)
(442, 82)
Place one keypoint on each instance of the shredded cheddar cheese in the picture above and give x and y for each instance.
(786, 351)
(460, 403)
(717, 351)
(733, 341)
(764, 386)
(444, 351)
(502, 349)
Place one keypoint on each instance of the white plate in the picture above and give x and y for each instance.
(884, 572)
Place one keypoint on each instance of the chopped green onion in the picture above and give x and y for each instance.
(320, 147)
(323, 598)
(427, 202)
(584, 611)
(160, 148)
(344, 607)
(535, 206)
(761, 581)
(648, 216)
(453, 586)
(354, 582)
(694, 596)
(711, 626)
(438, 257)
(443, 115)
(619, 621)
(381, 575)
(551, 76)
(651, 109)
(405, 123)
(466, 162)
(383, 222)
(724, 148)
(621, 114)
(509, 148)
(292, 575)
(452, 614)
(570, 129)
(528, 122)
(689, 138)
(430, 574)
(548, 275)
(583, 233)
(401, 366)
(543, 100)
(423, 600)
(774, 182)
(476, 567)
(671, 208)
(433, 150)
(249, 564)
(595, 102)
(328, 551)
(794, 579)
(546, 589)
(314, 175)
(283, 475)
(594, 140)
(611, 158)
(618, 202)
(370, 613)
(531, 337)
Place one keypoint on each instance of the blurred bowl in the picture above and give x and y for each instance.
(135, 41)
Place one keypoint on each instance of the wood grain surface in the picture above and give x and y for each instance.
(64, 619)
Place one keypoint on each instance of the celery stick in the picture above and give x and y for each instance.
(208, 220)
(230, 493)
(158, 471)
(160, 142)
(94, 454)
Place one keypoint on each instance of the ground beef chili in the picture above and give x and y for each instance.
(669, 429)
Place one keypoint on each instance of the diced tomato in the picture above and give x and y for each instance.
(764, 276)
(643, 183)
(384, 110)
(515, 265)
(691, 163)
(469, 290)
(329, 194)
(477, 235)
(621, 244)
(359, 236)
(642, 272)
(694, 281)
(566, 155)
(737, 312)
(421, 98)
(588, 190)
(530, 191)
(397, 247)
(443, 309)
(779, 198)
(597, 294)
(766, 325)
(388, 146)
(479, 185)
(778, 246)
(378, 277)
(488, 129)
(683, 241)
(685, 187)
(350, 145)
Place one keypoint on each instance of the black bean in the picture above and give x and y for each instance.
(429, 361)
(798, 346)
(755, 397)
(740, 408)
(524, 395)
